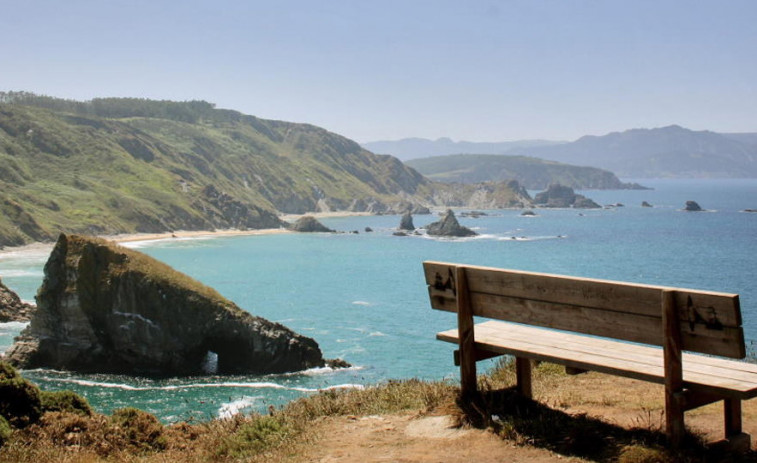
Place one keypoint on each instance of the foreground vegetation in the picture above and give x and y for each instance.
(62, 427)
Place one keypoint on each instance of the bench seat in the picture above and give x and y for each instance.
(724, 377)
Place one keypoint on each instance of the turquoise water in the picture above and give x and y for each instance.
(362, 297)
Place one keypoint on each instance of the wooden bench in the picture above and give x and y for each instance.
(605, 326)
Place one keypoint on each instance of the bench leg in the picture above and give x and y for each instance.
(732, 408)
(523, 376)
(674, 426)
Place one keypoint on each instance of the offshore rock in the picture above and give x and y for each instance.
(449, 226)
(309, 224)
(693, 206)
(406, 222)
(108, 309)
(12, 309)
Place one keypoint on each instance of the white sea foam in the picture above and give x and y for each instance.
(365, 303)
(230, 409)
(377, 333)
(13, 326)
(231, 384)
(21, 273)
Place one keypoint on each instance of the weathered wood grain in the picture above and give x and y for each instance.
(710, 322)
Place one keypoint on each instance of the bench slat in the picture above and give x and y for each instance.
(710, 321)
(739, 371)
(726, 377)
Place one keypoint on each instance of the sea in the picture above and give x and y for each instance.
(362, 295)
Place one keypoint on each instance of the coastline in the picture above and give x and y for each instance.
(135, 237)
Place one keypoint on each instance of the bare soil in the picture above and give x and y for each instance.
(415, 437)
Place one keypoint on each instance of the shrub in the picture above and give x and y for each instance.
(64, 401)
(262, 433)
(19, 399)
(139, 429)
(5, 430)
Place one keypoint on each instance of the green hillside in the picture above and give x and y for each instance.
(533, 173)
(122, 165)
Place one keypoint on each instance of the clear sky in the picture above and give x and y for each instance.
(374, 70)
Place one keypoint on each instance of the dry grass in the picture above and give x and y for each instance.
(133, 436)
(563, 419)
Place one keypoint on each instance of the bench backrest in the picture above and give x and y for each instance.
(710, 322)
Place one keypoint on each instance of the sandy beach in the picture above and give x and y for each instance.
(133, 237)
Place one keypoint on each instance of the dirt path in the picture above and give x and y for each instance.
(410, 438)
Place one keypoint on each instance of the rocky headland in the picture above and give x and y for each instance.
(105, 308)
(12, 308)
(560, 196)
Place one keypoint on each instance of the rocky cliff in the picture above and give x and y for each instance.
(105, 308)
(126, 165)
(12, 308)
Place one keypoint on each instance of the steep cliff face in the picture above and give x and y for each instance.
(104, 308)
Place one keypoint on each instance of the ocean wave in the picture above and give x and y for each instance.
(230, 409)
(230, 384)
(21, 273)
(377, 333)
(458, 239)
(12, 326)
(530, 238)
(364, 303)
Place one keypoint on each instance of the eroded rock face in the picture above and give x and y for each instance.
(449, 226)
(12, 309)
(104, 308)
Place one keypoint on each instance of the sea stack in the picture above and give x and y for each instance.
(103, 308)
(406, 222)
(449, 226)
(693, 206)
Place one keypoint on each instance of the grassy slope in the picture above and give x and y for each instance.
(65, 172)
(142, 169)
(531, 172)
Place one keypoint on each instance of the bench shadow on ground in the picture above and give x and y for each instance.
(525, 421)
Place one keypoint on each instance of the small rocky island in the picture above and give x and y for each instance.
(309, 224)
(693, 206)
(103, 308)
(560, 196)
(12, 308)
(449, 226)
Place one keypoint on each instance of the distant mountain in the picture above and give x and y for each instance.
(532, 173)
(124, 165)
(413, 148)
(748, 138)
(663, 152)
